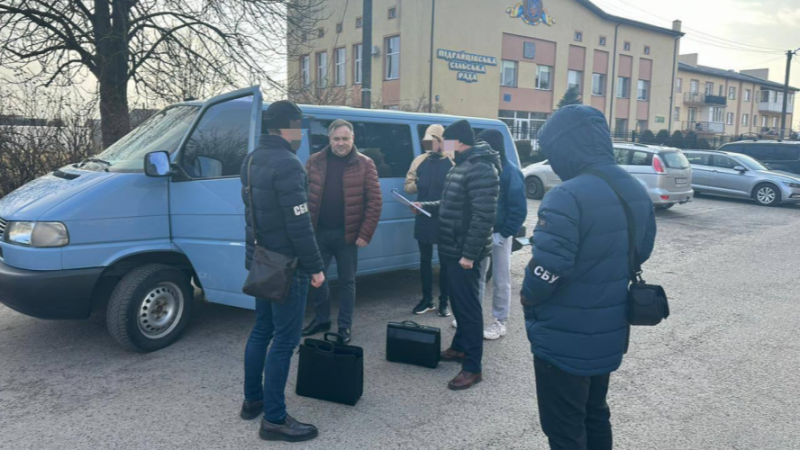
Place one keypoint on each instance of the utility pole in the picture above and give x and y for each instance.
(430, 75)
(366, 56)
(789, 55)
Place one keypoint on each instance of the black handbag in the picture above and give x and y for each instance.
(647, 303)
(411, 343)
(330, 370)
(271, 273)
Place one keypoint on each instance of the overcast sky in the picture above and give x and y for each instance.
(772, 25)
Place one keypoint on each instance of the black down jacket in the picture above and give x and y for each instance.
(468, 206)
(280, 196)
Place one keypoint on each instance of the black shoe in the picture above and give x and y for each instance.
(290, 431)
(345, 334)
(315, 328)
(251, 410)
(424, 306)
(444, 310)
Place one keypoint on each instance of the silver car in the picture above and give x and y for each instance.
(664, 171)
(736, 175)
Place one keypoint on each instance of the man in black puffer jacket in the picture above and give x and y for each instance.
(466, 219)
(282, 224)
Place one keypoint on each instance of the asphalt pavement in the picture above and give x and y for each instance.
(723, 372)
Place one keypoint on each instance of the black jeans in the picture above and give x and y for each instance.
(572, 409)
(464, 289)
(426, 273)
(332, 245)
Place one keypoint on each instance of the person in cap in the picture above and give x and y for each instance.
(575, 290)
(345, 203)
(426, 179)
(466, 214)
(512, 210)
(279, 191)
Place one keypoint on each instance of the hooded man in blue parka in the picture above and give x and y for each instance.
(576, 285)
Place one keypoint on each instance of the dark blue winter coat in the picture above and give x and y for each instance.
(512, 205)
(575, 289)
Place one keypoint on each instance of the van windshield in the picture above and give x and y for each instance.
(162, 132)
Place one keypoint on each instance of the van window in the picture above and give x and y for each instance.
(759, 152)
(621, 156)
(390, 146)
(421, 129)
(700, 159)
(639, 158)
(786, 152)
(218, 145)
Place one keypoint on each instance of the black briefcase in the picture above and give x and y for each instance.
(411, 343)
(330, 370)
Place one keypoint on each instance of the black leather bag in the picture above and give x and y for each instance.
(330, 370)
(410, 343)
(271, 273)
(647, 303)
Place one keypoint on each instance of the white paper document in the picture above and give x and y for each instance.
(408, 202)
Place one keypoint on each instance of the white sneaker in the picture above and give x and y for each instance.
(494, 330)
(455, 324)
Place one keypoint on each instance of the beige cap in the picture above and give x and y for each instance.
(434, 131)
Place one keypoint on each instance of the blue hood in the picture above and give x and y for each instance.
(575, 138)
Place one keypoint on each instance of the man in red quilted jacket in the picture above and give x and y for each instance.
(345, 205)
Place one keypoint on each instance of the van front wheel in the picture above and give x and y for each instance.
(150, 307)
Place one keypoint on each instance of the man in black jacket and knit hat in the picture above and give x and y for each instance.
(466, 217)
(279, 187)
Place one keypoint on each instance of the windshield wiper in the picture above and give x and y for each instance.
(94, 160)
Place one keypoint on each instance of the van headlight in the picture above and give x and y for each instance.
(37, 234)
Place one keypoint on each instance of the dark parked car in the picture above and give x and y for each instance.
(776, 155)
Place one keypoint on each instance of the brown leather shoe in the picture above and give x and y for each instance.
(451, 355)
(464, 380)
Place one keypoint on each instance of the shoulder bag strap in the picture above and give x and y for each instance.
(250, 195)
(635, 267)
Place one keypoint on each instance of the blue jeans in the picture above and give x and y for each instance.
(281, 324)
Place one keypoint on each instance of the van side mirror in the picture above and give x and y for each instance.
(156, 164)
(740, 169)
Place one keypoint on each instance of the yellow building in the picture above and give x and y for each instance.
(713, 101)
(493, 58)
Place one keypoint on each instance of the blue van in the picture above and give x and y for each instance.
(160, 212)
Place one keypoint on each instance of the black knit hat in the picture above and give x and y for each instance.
(280, 115)
(460, 131)
(495, 140)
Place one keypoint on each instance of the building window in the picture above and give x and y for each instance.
(321, 33)
(522, 124)
(709, 88)
(508, 77)
(694, 87)
(341, 68)
(357, 50)
(764, 121)
(578, 36)
(643, 90)
(717, 114)
(623, 87)
(627, 46)
(322, 69)
(602, 41)
(679, 85)
(755, 119)
(393, 58)
(641, 125)
(731, 118)
(692, 115)
(339, 27)
(305, 70)
(621, 127)
(676, 115)
(721, 91)
(732, 93)
(646, 49)
(392, 13)
(598, 84)
(359, 22)
(765, 96)
(574, 80)
(746, 120)
(747, 95)
(544, 78)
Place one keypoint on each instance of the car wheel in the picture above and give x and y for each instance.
(767, 195)
(534, 189)
(150, 307)
(665, 207)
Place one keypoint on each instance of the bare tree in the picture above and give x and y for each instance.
(143, 41)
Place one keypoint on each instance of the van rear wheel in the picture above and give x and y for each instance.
(150, 307)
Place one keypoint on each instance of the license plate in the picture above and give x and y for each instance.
(681, 181)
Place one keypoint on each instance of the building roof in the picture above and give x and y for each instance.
(597, 10)
(730, 74)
